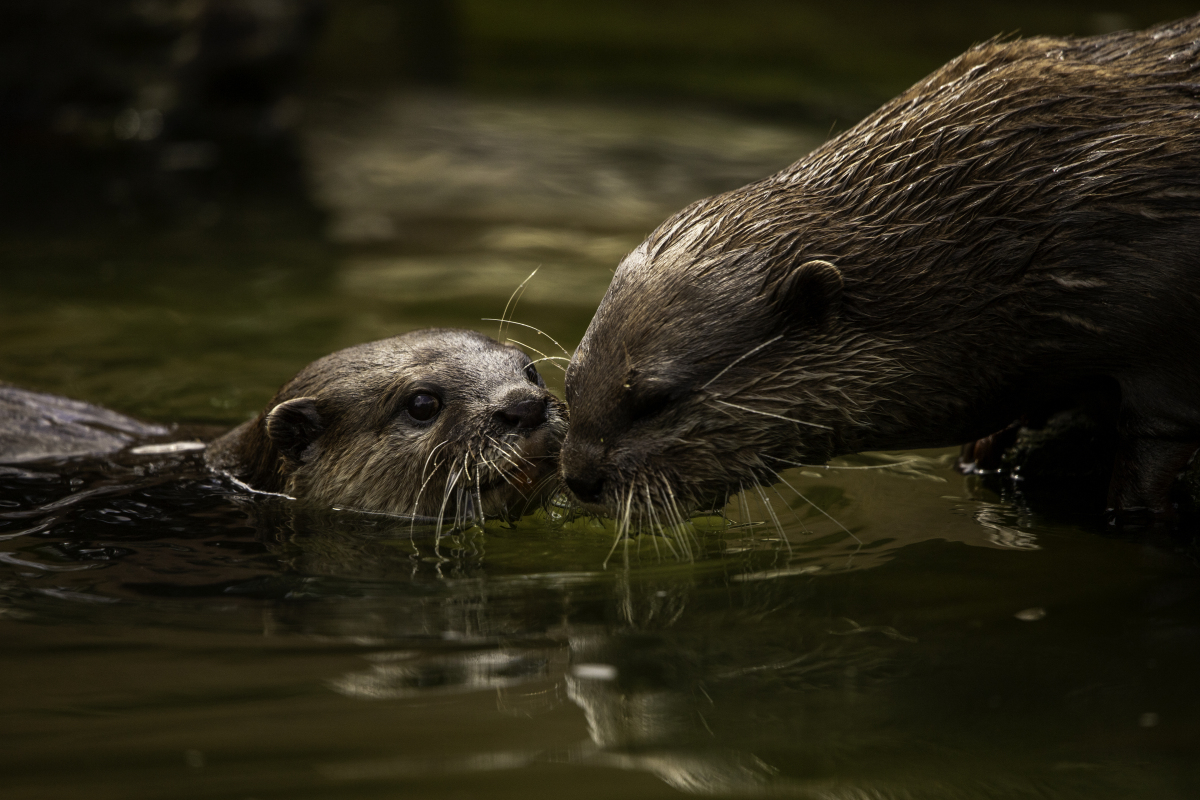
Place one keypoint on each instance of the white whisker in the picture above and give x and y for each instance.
(430, 456)
(769, 414)
(740, 359)
(451, 482)
(904, 463)
(771, 513)
(622, 525)
(511, 298)
(417, 500)
(530, 348)
(681, 520)
(553, 361)
(818, 508)
(650, 508)
(537, 330)
(799, 520)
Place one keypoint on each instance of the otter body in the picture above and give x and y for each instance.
(1019, 229)
(436, 423)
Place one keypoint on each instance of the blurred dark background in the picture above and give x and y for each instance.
(181, 111)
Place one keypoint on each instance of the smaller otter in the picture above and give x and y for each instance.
(437, 423)
(434, 423)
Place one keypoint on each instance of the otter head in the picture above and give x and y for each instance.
(699, 374)
(435, 423)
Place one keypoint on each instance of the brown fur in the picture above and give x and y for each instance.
(339, 434)
(1023, 225)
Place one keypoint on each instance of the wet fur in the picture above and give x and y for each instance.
(1021, 226)
(338, 433)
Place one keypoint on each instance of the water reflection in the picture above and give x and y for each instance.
(794, 660)
(797, 702)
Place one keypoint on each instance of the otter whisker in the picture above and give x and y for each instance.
(799, 519)
(452, 481)
(655, 537)
(904, 463)
(494, 464)
(740, 359)
(537, 491)
(509, 454)
(530, 348)
(460, 503)
(769, 414)
(520, 289)
(818, 508)
(663, 532)
(436, 447)
(677, 513)
(516, 454)
(684, 533)
(501, 469)
(519, 458)
(453, 474)
(508, 451)
(745, 504)
(491, 464)
(553, 360)
(724, 515)
(417, 500)
(537, 330)
(771, 513)
(622, 527)
(478, 496)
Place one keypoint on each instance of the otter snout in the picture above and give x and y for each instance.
(581, 472)
(588, 488)
(524, 414)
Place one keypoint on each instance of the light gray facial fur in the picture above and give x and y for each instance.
(438, 423)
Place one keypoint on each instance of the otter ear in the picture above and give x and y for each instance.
(294, 425)
(810, 294)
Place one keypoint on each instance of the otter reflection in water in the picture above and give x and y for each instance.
(1016, 234)
(439, 424)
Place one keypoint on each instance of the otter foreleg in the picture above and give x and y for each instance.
(1144, 475)
(987, 454)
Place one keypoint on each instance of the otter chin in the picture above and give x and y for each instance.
(1017, 231)
(439, 423)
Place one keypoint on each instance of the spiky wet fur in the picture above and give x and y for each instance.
(462, 465)
(1022, 222)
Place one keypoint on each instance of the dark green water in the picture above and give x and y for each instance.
(915, 637)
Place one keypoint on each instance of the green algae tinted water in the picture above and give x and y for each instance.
(887, 629)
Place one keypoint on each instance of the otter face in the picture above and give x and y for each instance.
(447, 424)
(697, 377)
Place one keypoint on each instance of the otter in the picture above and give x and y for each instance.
(1018, 230)
(437, 424)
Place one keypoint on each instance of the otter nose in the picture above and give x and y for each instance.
(588, 488)
(528, 413)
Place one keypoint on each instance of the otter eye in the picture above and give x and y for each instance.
(423, 407)
(647, 402)
(533, 376)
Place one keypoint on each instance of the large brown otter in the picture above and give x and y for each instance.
(437, 423)
(1020, 227)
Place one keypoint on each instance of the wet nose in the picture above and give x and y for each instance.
(588, 488)
(528, 413)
